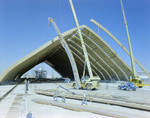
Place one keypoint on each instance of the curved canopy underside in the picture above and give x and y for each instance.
(104, 60)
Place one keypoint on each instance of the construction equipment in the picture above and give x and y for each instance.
(88, 82)
(135, 79)
(67, 49)
(138, 82)
(127, 86)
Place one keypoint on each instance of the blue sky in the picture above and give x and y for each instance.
(24, 26)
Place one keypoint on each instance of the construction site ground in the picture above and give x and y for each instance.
(18, 104)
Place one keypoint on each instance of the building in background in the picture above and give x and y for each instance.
(40, 73)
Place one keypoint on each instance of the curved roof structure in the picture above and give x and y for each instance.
(104, 60)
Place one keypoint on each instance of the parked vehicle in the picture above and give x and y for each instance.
(127, 86)
(66, 80)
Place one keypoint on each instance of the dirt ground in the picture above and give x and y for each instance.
(48, 111)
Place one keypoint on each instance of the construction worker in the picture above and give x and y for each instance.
(55, 96)
(107, 86)
(84, 98)
(29, 115)
(57, 87)
(100, 86)
(63, 96)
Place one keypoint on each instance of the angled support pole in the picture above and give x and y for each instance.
(68, 51)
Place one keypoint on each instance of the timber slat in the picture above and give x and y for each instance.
(87, 109)
(106, 101)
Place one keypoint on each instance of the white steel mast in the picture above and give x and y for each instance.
(130, 48)
(82, 41)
